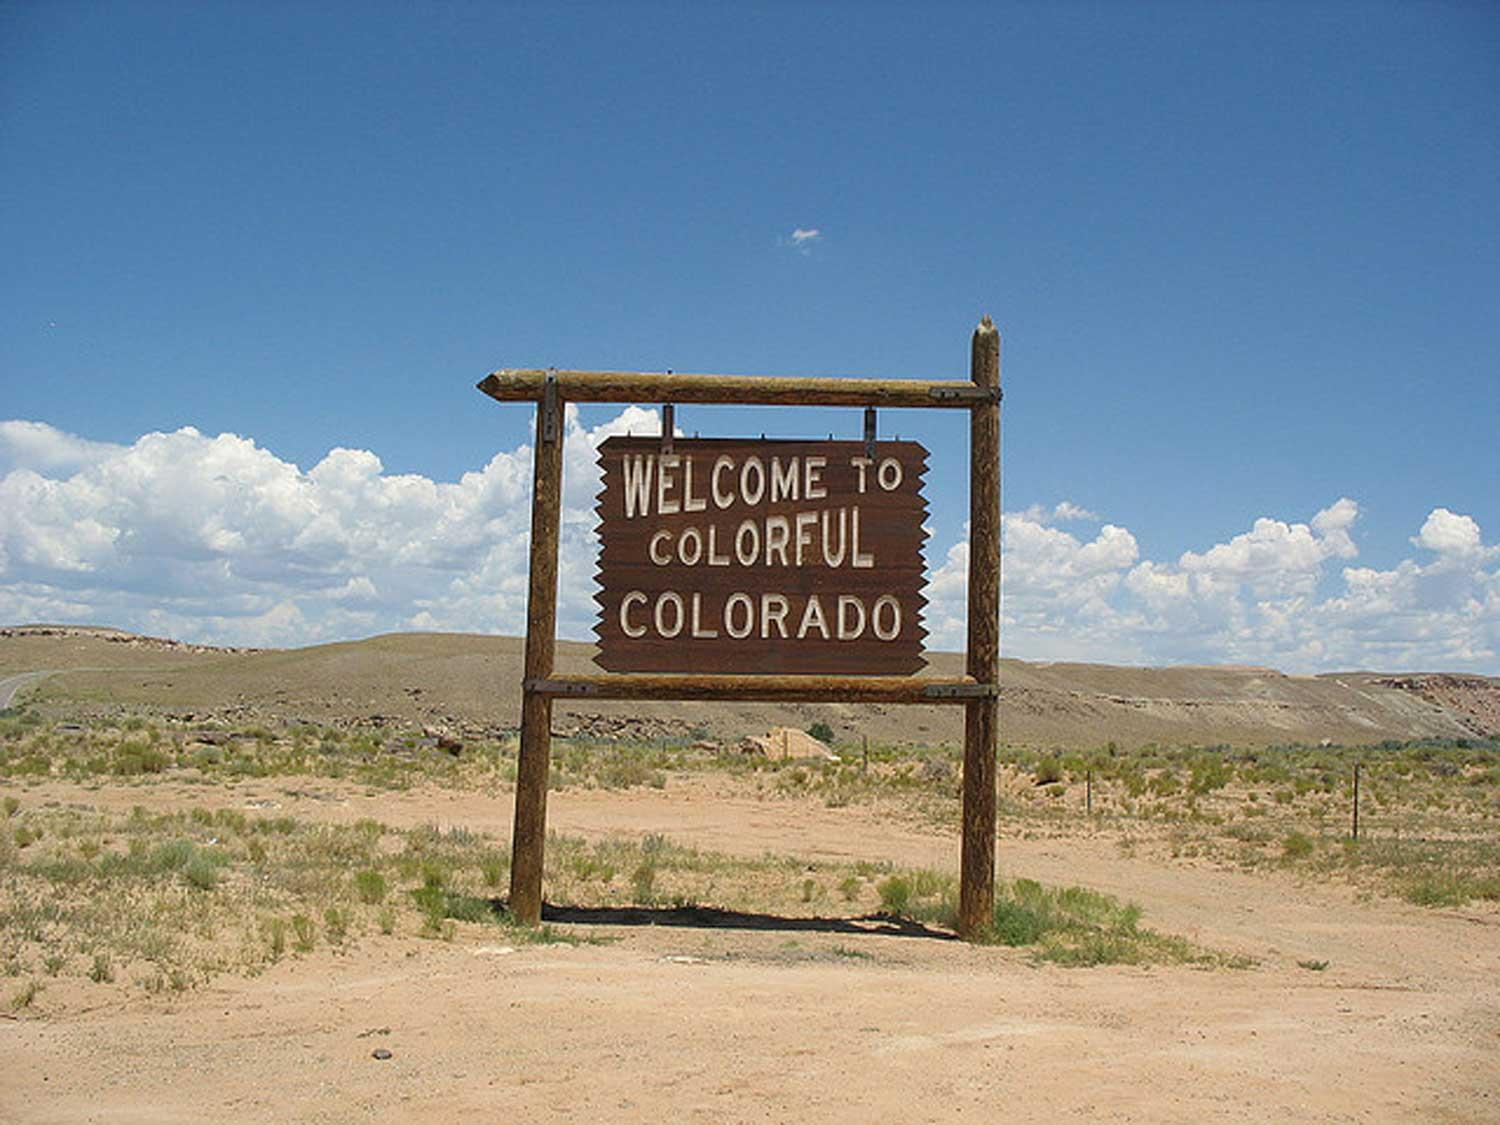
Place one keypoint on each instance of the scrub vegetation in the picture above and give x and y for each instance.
(167, 901)
(164, 901)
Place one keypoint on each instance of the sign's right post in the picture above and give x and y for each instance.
(976, 903)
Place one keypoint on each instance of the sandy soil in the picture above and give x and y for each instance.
(681, 1024)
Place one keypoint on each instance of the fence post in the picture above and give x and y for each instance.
(529, 832)
(976, 898)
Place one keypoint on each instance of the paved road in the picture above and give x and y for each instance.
(11, 685)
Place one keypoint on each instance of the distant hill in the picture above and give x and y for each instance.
(473, 682)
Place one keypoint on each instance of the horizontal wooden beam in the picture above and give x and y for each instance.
(765, 689)
(528, 385)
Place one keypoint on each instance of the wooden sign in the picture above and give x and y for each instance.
(761, 557)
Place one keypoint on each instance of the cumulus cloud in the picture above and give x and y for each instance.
(46, 449)
(1274, 594)
(215, 538)
(1448, 533)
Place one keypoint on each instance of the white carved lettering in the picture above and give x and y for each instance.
(747, 543)
(783, 480)
(739, 632)
(830, 556)
(637, 486)
(666, 480)
(722, 499)
(625, 604)
(749, 496)
(773, 607)
(858, 560)
(690, 503)
(814, 488)
(714, 558)
(698, 630)
(673, 599)
(850, 630)
(778, 531)
(861, 464)
(812, 618)
(805, 521)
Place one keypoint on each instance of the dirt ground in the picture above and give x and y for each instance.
(828, 1023)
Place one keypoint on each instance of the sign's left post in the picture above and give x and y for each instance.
(529, 834)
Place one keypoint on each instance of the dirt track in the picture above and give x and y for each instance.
(685, 1024)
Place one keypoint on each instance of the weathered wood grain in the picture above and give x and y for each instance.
(525, 384)
(766, 689)
(981, 717)
(529, 833)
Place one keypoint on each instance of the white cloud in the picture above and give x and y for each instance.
(215, 538)
(1270, 595)
(1067, 511)
(46, 449)
(803, 239)
(1064, 512)
(1448, 533)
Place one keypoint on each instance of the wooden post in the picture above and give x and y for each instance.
(530, 830)
(864, 766)
(1088, 792)
(976, 902)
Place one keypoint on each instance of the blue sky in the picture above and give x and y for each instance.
(1244, 258)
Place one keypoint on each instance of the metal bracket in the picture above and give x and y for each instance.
(870, 432)
(558, 687)
(549, 408)
(961, 691)
(971, 393)
(668, 425)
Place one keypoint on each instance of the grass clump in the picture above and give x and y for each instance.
(1449, 888)
(370, 886)
(1077, 926)
(1073, 926)
(25, 996)
(1296, 845)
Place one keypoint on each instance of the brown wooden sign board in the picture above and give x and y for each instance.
(756, 556)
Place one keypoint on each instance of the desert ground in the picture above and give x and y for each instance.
(218, 905)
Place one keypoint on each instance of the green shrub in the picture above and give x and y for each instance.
(1049, 771)
(201, 872)
(643, 882)
(306, 933)
(370, 884)
(1296, 845)
(336, 925)
(895, 895)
